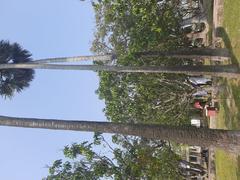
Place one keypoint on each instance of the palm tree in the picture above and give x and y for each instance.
(179, 53)
(103, 58)
(229, 71)
(229, 140)
(14, 80)
(14, 59)
(16, 65)
(191, 53)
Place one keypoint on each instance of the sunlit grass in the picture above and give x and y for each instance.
(228, 165)
(229, 98)
(231, 24)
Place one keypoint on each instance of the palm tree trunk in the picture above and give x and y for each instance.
(229, 71)
(191, 53)
(179, 53)
(225, 139)
(75, 59)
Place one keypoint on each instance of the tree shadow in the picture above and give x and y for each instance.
(221, 32)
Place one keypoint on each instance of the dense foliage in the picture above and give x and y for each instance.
(130, 26)
(14, 80)
(135, 158)
(124, 28)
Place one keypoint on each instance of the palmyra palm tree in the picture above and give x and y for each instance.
(12, 80)
(16, 65)
(103, 58)
(191, 53)
(229, 140)
(229, 71)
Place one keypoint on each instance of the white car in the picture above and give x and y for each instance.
(200, 81)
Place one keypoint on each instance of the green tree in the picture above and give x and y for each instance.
(14, 80)
(147, 33)
(132, 97)
(127, 28)
(130, 26)
(134, 158)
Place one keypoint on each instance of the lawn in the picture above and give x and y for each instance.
(227, 165)
(227, 170)
(229, 116)
(229, 97)
(232, 27)
(230, 32)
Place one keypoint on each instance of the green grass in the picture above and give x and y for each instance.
(232, 25)
(228, 165)
(230, 32)
(229, 115)
(230, 94)
(236, 97)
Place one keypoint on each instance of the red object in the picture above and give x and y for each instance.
(197, 105)
(211, 111)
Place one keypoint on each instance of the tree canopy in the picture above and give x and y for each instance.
(125, 28)
(132, 26)
(14, 80)
(132, 158)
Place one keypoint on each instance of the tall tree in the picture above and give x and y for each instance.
(101, 58)
(143, 97)
(126, 26)
(134, 97)
(191, 53)
(228, 71)
(135, 158)
(14, 80)
(226, 139)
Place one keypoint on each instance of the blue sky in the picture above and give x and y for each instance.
(47, 29)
